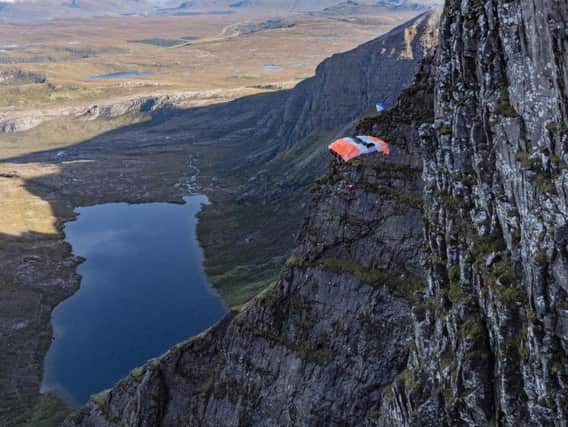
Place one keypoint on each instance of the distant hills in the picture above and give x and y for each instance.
(350, 7)
(309, 5)
(34, 10)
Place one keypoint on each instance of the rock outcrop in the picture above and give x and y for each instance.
(158, 103)
(17, 76)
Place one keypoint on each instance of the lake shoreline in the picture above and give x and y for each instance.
(192, 205)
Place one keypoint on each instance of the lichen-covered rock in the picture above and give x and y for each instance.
(490, 336)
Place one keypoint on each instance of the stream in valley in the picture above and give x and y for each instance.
(143, 290)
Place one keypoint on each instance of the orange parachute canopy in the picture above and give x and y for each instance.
(350, 148)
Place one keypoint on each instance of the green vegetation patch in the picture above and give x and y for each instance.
(445, 130)
(486, 245)
(457, 295)
(409, 380)
(526, 162)
(560, 128)
(544, 182)
(232, 390)
(542, 179)
(295, 261)
(504, 106)
(237, 296)
(403, 287)
(472, 329)
(509, 294)
(306, 324)
(500, 275)
(448, 360)
(388, 395)
(406, 198)
(320, 356)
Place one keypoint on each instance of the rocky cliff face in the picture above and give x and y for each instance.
(433, 294)
(490, 338)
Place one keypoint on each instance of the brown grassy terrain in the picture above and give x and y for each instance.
(71, 52)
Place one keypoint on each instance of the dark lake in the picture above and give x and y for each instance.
(143, 290)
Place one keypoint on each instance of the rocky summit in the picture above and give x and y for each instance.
(429, 287)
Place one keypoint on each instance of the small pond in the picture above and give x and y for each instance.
(143, 290)
(271, 68)
(121, 75)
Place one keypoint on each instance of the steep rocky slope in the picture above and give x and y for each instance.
(422, 298)
(491, 337)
